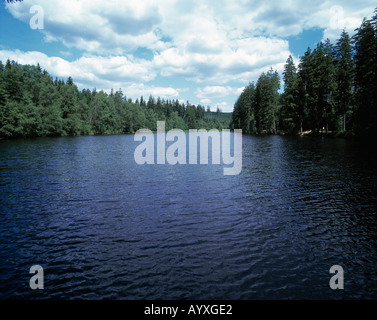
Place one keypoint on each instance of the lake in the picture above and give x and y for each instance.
(104, 227)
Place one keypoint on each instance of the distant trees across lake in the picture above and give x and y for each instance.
(33, 104)
(333, 89)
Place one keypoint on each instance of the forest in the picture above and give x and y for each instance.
(333, 91)
(33, 104)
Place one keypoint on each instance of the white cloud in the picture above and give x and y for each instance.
(103, 73)
(192, 26)
(102, 27)
(200, 48)
(223, 106)
(138, 89)
(95, 70)
(287, 18)
(219, 45)
(240, 90)
(234, 63)
(206, 101)
(213, 92)
(339, 20)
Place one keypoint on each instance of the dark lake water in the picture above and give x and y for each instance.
(103, 227)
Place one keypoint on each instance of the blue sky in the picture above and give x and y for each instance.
(203, 52)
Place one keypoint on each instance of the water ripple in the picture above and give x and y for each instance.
(104, 228)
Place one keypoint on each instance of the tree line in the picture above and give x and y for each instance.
(333, 89)
(33, 104)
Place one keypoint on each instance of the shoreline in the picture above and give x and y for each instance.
(347, 135)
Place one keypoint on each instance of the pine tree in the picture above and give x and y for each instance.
(289, 114)
(151, 103)
(33, 104)
(365, 46)
(3, 93)
(68, 96)
(344, 77)
(97, 113)
(328, 81)
(266, 101)
(190, 116)
(142, 101)
(317, 73)
(243, 113)
(304, 97)
(13, 78)
(49, 109)
(11, 119)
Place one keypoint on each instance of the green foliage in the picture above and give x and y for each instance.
(266, 101)
(365, 43)
(332, 90)
(257, 107)
(290, 117)
(11, 119)
(243, 114)
(344, 65)
(32, 104)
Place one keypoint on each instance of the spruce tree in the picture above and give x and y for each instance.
(289, 114)
(344, 77)
(365, 46)
(266, 102)
(304, 96)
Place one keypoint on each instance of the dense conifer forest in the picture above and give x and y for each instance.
(33, 104)
(332, 90)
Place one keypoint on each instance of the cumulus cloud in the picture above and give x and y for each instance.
(213, 92)
(199, 47)
(289, 18)
(102, 27)
(233, 63)
(205, 101)
(339, 20)
(204, 27)
(103, 73)
(87, 68)
(214, 44)
(137, 90)
(96, 71)
(240, 90)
